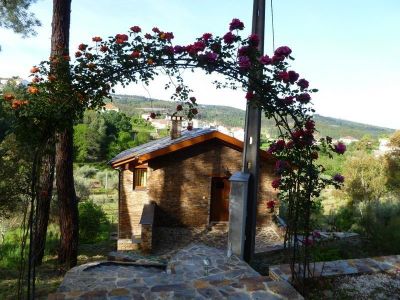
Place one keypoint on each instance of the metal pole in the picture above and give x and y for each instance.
(251, 162)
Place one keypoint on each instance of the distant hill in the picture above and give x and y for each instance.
(233, 117)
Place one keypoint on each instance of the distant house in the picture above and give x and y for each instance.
(348, 140)
(109, 107)
(182, 180)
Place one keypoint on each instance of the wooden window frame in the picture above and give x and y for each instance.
(138, 173)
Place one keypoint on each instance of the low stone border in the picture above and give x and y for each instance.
(389, 264)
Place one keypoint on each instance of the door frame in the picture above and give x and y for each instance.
(224, 179)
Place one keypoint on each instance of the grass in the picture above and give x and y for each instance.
(50, 274)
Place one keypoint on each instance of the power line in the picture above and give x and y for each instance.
(273, 27)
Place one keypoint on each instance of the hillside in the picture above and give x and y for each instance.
(233, 117)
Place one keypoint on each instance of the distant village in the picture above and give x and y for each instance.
(236, 132)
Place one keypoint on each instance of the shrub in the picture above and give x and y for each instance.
(381, 222)
(86, 171)
(110, 176)
(82, 188)
(93, 223)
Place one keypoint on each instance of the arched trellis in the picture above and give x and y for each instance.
(268, 82)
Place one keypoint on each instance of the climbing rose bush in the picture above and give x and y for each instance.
(283, 94)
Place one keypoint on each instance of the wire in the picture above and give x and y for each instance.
(273, 27)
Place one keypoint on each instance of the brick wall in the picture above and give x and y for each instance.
(131, 204)
(180, 184)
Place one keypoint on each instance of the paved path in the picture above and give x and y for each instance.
(387, 264)
(195, 272)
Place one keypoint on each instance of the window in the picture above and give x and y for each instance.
(139, 178)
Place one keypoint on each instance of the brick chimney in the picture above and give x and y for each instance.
(176, 128)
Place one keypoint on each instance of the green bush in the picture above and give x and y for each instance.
(381, 222)
(93, 223)
(109, 178)
(86, 171)
(82, 188)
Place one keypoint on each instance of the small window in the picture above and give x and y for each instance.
(139, 178)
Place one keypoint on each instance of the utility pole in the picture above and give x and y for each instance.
(251, 162)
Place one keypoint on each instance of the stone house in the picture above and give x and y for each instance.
(182, 180)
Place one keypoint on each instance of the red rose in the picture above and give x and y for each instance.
(82, 47)
(236, 24)
(153, 115)
(277, 58)
(194, 111)
(243, 51)
(249, 95)
(156, 30)
(103, 48)
(293, 76)
(283, 51)
(179, 107)
(303, 84)
(304, 98)
(135, 54)
(254, 40)
(207, 36)
(271, 204)
(265, 60)
(78, 54)
(276, 183)
(189, 127)
(192, 99)
(97, 39)
(121, 38)
(340, 148)
(283, 76)
(310, 125)
(148, 36)
(136, 29)
(229, 38)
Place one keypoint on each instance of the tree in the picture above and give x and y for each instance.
(365, 177)
(392, 159)
(14, 15)
(68, 204)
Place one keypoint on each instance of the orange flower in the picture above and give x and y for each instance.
(97, 39)
(18, 103)
(8, 97)
(34, 70)
(150, 61)
(91, 66)
(33, 90)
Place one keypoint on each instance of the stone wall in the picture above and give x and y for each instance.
(180, 184)
(146, 243)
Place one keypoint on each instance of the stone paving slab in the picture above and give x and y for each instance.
(389, 264)
(185, 277)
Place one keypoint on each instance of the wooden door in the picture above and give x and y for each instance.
(219, 208)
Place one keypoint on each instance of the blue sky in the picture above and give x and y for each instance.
(349, 50)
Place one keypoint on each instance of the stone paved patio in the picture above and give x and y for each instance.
(184, 277)
(387, 264)
(169, 240)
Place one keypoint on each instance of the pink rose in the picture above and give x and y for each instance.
(229, 38)
(236, 24)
